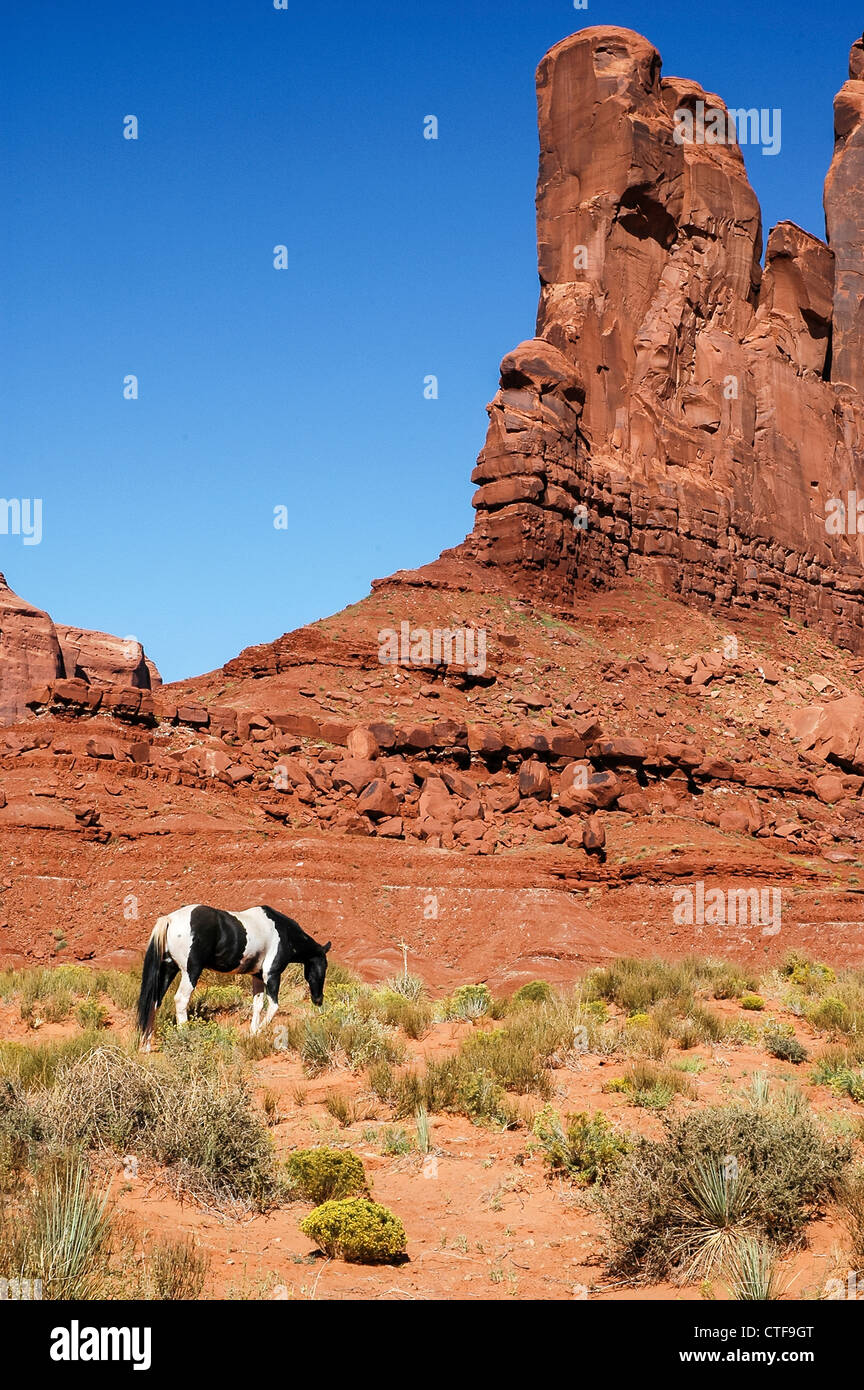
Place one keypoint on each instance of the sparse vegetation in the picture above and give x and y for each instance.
(659, 1204)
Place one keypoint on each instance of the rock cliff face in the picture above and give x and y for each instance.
(681, 415)
(34, 651)
(101, 659)
(29, 651)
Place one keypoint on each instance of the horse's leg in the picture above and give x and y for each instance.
(257, 1001)
(273, 982)
(188, 981)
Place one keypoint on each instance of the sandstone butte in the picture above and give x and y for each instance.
(699, 411)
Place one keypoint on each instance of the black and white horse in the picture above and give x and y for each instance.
(259, 941)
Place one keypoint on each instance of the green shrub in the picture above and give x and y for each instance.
(395, 1141)
(781, 1042)
(356, 1230)
(534, 992)
(91, 1015)
(833, 1069)
(809, 976)
(323, 1174)
(752, 1001)
(588, 1150)
(217, 999)
(650, 1086)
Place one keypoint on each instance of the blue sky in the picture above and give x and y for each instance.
(301, 387)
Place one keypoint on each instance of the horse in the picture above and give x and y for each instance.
(259, 941)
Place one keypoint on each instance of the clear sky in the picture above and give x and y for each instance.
(300, 387)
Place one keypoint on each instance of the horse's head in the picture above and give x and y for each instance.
(315, 971)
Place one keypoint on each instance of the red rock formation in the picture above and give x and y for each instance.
(681, 415)
(29, 651)
(101, 659)
(844, 219)
(34, 651)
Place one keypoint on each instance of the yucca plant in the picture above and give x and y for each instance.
(714, 1213)
(759, 1090)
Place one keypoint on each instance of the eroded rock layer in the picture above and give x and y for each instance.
(681, 415)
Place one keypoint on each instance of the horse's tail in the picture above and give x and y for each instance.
(151, 972)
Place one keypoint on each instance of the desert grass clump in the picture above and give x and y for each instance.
(753, 1002)
(325, 1174)
(651, 1086)
(779, 1170)
(829, 1014)
(732, 983)
(408, 986)
(514, 1058)
(60, 1232)
(37, 1064)
(583, 1148)
(340, 1108)
(835, 1068)
(339, 1037)
(356, 1230)
(395, 1010)
(447, 1085)
(634, 985)
(700, 1025)
(178, 1271)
